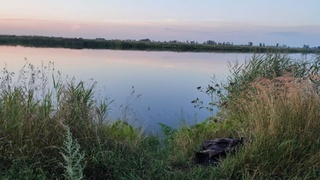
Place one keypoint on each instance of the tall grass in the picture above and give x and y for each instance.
(267, 66)
(271, 100)
(275, 102)
(32, 111)
(281, 118)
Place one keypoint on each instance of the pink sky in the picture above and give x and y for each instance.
(293, 22)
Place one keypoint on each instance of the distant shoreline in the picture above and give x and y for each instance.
(144, 45)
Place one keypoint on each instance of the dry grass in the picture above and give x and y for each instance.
(281, 117)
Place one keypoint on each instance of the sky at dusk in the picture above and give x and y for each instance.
(290, 22)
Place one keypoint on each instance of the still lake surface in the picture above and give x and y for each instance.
(147, 87)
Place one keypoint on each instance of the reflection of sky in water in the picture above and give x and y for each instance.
(167, 81)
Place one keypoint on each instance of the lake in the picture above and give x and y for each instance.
(148, 88)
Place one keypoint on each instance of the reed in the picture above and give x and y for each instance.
(274, 101)
(33, 117)
(281, 119)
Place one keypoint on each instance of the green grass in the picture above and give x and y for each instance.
(53, 128)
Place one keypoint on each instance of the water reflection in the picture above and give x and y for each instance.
(164, 83)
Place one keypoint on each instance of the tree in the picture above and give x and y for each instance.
(145, 40)
(306, 46)
(211, 42)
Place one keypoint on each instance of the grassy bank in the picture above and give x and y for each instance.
(53, 128)
(144, 44)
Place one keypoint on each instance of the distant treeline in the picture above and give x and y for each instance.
(143, 44)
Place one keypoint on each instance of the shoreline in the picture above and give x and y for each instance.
(142, 45)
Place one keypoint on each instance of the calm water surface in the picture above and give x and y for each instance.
(148, 87)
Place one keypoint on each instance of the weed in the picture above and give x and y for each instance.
(74, 159)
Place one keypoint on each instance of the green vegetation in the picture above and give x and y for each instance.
(146, 45)
(59, 131)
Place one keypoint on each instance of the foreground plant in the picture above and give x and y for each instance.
(74, 159)
(281, 118)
